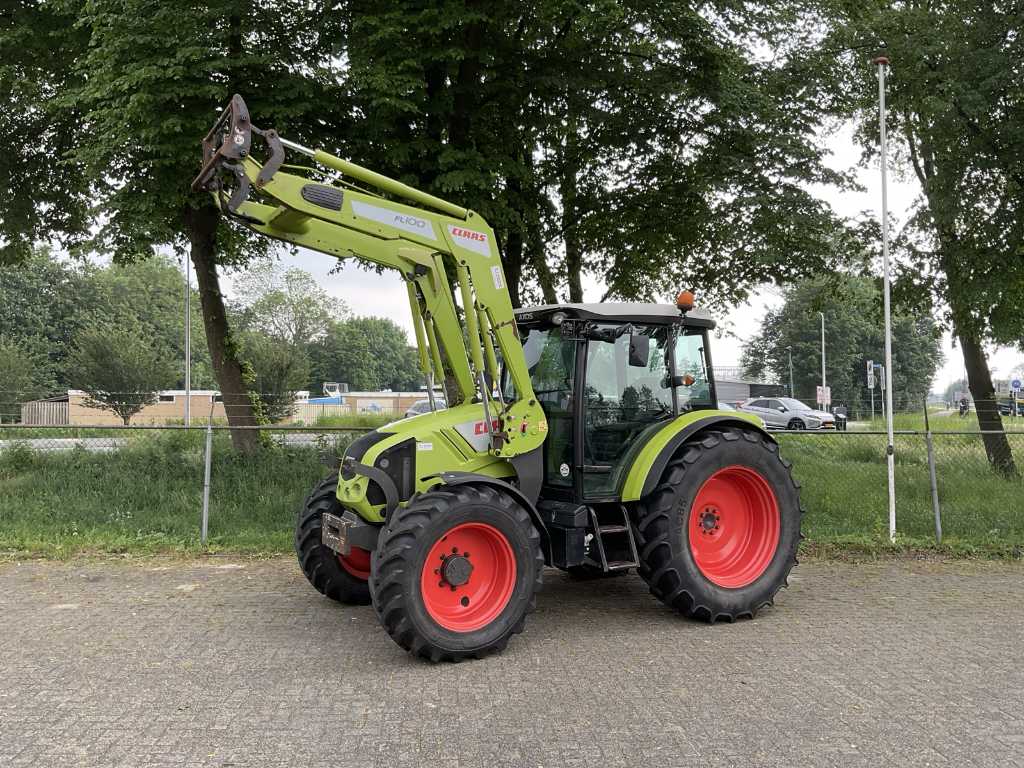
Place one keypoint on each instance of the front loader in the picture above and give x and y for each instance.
(584, 437)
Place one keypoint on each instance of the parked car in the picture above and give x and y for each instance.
(787, 413)
(423, 406)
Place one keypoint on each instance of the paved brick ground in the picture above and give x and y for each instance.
(213, 664)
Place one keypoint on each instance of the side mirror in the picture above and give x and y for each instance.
(782, 409)
(639, 350)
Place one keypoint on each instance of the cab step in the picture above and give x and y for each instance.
(617, 537)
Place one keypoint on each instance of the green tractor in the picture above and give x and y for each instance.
(586, 437)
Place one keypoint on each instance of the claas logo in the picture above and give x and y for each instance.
(480, 428)
(469, 234)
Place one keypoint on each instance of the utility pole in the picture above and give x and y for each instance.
(188, 344)
(792, 392)
(882, 62)
(823, 383)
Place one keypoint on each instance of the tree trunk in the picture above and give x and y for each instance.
(513, 264)
(538, 260)
(979, 379)
(201, 226)
(570, 222)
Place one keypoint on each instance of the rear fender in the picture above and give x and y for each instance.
(650, 463)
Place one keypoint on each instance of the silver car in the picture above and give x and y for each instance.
(787, 413)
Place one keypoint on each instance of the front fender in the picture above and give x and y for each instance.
(652, 459)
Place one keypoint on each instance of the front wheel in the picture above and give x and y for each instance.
(719, 535)
(455, 572)
(339, 577)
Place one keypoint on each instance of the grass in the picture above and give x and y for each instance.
(844, 489)
(939, 421)
(357, 421)
(146, 497)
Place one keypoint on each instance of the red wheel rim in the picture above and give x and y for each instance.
(734, 527)
(468, 577)
(356, 562)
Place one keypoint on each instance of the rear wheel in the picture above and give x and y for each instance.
(339, 577)
(455, 572)
(718, 536)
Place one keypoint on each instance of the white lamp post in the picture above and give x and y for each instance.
(882, 62)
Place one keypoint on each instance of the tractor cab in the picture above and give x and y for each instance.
(608, 376)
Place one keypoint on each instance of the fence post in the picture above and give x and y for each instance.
(206, 480)
(931, 476)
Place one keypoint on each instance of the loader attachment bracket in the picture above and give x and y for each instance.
(226, 145)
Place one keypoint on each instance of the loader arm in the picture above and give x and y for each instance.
(430, 242)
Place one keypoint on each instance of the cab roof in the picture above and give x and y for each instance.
(625, 312)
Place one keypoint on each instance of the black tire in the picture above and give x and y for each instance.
(667, 562)
(796, 424)
(402, 550)
(319, 563)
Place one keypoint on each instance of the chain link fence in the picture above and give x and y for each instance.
(135, 487)
(845, 486)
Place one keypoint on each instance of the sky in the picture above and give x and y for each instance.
(368, 293)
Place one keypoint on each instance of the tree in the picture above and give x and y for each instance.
(853, 335)
(282, 314)
(119, 367)
(24, 375)
(43, 304)
(287, 304)
(957, 122)
(281, 370)
(368, 353)
(152, 292)
(41, 198)
(639, 143)
(137, 84)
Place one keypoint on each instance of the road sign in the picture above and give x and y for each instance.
(871, 374)
(1015, 385)
(825, 395)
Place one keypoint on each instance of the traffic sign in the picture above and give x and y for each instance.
(871, 374)
(825, 395)
(1015, 385)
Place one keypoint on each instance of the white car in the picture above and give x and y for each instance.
(788, 413)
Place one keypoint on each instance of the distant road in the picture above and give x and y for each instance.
(107, 444)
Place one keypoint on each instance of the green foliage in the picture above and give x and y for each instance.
(25, 374)
(286, 304)
(41, 305)
(647, 144)
(42, 196)
(280, 370)
(45, 302)
(119, 366)
(151, 80)
(853, 335)
(956, 121)
(368, 353)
